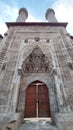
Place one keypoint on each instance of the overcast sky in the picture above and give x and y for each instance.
(36, 10)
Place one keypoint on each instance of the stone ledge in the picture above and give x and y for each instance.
(9, 117)
(64, 121)
(62, 24)
(10, 121)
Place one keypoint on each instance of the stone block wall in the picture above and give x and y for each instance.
(16, 47)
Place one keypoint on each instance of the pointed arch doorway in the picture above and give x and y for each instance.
(37, 102)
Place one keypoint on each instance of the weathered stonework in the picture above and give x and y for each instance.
(30, 53)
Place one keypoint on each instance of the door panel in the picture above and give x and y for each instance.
(30, 103)
(37, 100)
(44, 105)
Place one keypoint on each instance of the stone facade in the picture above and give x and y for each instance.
(36, 52)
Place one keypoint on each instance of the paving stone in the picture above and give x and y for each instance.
(39, 125)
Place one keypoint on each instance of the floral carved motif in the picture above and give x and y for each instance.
(36, 62)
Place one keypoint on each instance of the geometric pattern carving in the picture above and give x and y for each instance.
(68, 101)
(36, 62)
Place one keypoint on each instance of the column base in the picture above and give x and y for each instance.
(64, 121)
(10, 121)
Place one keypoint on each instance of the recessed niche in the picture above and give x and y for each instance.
(37, 39)
(26, 40)
(3, 67)
(47, 40)
(70, 65)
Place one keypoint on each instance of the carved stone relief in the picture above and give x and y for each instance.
(36, 62)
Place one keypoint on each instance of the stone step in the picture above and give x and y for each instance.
(40, 125)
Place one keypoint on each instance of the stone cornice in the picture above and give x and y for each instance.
(61, 24)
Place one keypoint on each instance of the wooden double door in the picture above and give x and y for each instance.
(37, 100)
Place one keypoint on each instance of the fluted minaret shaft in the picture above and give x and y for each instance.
(23, 14)
(50, 15)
